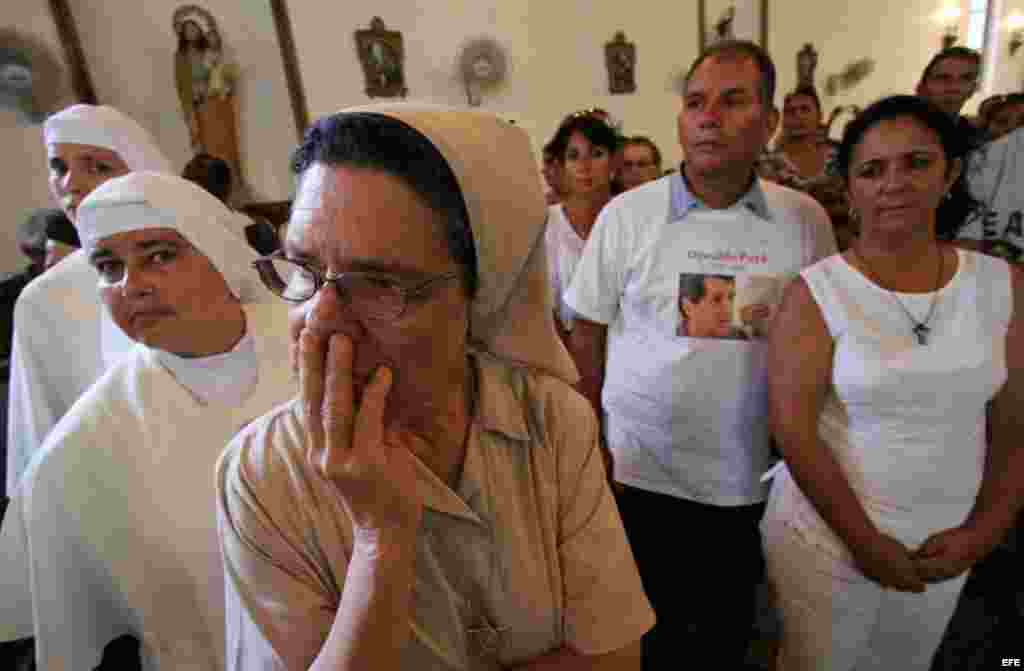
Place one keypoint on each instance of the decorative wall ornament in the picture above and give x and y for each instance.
(206, 83)
(850, 111)
(481, 65)
(850, 76)
(620, 59)
(1014, 25)
(382, 55)
(806, 64)
(949, 19)
(731, 20)
(31, 78)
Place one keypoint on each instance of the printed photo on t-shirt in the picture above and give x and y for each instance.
(727, 307)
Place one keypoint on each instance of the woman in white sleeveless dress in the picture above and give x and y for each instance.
(886, 364)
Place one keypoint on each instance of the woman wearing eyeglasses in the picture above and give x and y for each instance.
(117, 508)
(435, 499)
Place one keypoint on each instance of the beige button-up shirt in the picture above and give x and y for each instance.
(526, 555)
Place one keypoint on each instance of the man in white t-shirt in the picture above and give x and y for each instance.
(685, 416)
(994, 177)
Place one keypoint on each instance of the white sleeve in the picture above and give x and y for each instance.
(994, 172)
(78, 608)
(15, 594)
(600, 277)
(554, 277)
(33, 406)
(991, 166)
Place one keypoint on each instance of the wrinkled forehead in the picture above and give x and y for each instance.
(895, 137)
(725, 71)
(342, 210)
(317, 200)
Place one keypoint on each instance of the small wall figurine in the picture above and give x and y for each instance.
(806, 64)
(723, 29)
(382, 55)
(620, 59)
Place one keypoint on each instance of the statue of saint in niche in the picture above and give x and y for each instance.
(206, 84)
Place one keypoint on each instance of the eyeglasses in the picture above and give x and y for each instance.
(370, 295)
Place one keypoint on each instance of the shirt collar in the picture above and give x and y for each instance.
(229, 378)
(499, 409)
(684, 201)
(499, 398)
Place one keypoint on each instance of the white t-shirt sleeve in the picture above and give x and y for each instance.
(993, 177)
(15, 575)
(600, 275)
(553, 250)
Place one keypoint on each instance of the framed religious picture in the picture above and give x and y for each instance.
(732, 20)
(383, 57)
(620, 59)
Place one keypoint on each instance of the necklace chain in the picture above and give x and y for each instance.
(921, 328)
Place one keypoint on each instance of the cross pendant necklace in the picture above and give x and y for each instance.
(921, 330)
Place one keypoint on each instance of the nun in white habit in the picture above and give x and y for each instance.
(62, 340)
(118, 505)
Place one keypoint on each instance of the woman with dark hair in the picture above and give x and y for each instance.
(436, 497)
(584, 146)
(885, 364)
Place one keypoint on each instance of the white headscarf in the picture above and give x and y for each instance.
(141, 200)
(493, 162)
(104, 126)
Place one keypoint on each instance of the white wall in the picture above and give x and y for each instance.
(556, 49)
(901, 37)
(1009, 70)
(558, 61)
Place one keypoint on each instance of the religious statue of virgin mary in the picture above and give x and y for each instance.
(206, 84)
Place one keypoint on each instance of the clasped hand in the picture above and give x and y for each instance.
(349, 445)
(943, 556)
